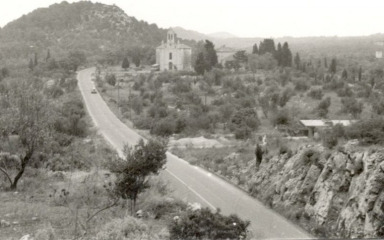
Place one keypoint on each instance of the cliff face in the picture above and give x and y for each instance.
(332, 194)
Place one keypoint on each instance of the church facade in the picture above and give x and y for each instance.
(172, 55)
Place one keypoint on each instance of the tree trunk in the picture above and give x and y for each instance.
(24, 162)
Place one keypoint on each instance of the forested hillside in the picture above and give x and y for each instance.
(94, 28)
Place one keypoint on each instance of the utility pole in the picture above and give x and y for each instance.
(118, 95)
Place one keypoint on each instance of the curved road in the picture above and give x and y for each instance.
(189, 182)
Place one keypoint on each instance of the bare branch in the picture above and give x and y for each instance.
(103, 209)
(6, 174)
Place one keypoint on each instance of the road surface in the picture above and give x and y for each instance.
(191, 183)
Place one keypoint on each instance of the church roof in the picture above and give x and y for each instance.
(177, 45)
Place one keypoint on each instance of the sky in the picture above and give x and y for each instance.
(243, 18)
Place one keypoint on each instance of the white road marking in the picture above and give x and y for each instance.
(196, 193)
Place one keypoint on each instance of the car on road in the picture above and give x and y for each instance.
(93, 91)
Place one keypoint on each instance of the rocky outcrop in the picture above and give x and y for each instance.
(330, 193)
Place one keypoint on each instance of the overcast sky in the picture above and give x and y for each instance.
(243, 18)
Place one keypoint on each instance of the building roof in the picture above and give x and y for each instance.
(325, 123)
(225, 49)
(176, 45)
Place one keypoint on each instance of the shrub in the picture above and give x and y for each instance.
(322, 108)
(352, 106)
(368, 131)
(281, 117)
(301, 85)
(329, 139)
(125, 229)
(203, 224)
(110, 79)
(46, 233)
(315, 93)
(164, 127)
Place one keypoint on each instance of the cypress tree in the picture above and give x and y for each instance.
(286, 55)
(255, 50)
(279, 55)
(360, 74)
(48, 55)
(333, 66)
(125, 63)
(31, 65)
(200, 64)
(35, 62)
(297, 61)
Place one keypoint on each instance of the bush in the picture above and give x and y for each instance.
(203, 224)
(125, 229)
(322, 108)
(164, 127)
(352, 106)
(281, 117)
(329, 139)
(315, 93)
(46, 233)
(369, 131)
(301, 85)
(110, 79)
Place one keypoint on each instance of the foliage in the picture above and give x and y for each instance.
(125, 63)
(203, 224)
(125, 229)
(315, 93)
(367, 131)
(322, 108)
(352, 106)
(265, 61)
(111, 79)
(243, 122)
(206, 59)
(133, 172)
(26, 117)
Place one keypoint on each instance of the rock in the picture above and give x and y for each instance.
(26, 237)
(15, 223)
(4, 223)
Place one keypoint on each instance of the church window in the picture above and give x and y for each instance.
(170, 56)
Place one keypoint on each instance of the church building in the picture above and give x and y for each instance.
(173, 55)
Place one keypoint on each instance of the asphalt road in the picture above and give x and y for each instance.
(191, 183)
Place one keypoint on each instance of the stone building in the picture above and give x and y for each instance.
(173, 55)
(225, 54)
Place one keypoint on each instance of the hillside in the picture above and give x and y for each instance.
(90, 27)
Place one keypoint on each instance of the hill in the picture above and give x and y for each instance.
(222, 35)
(93, 28)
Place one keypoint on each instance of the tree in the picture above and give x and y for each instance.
(286, 56)
(325, 63)
(243, 122)
(35, 62)
(278, 55)
(322, 108)
(210, 55)
(352, 106)
(240, 56)
(48, 55)
(31, 66)
(125, 64)
(344, 74)
(259, 155)
(333, 66)
(133, 172)
(297, 61)
(360, 74)
(204, 224)
(255, 50)
(111, 79)
(200, 64)
(26, 122)
(267, 46)
(75, 59)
